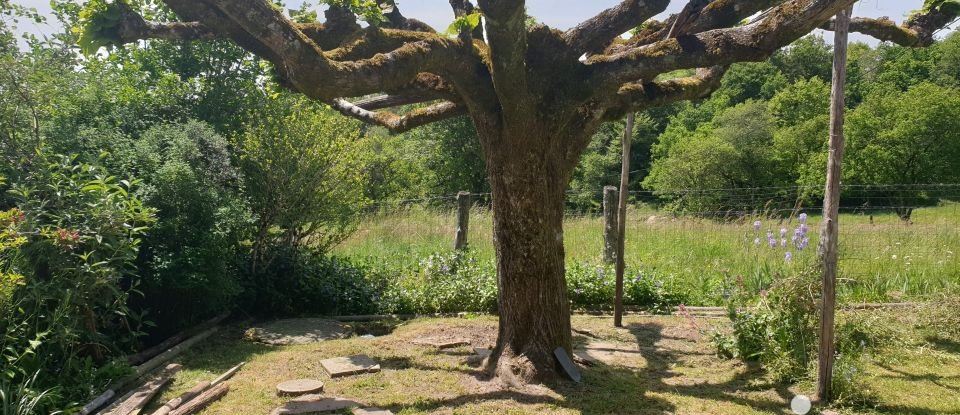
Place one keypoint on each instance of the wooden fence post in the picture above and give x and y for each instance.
(610, 200)
(464, 203)
(828, 250)
(622, 220)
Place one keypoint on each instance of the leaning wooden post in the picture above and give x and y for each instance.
(622, 219)
(464, 203)
(610, 211)
(827, 250)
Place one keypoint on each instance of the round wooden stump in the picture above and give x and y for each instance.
(299, 387)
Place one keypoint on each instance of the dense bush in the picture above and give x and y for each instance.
(593, 287)
(68, 313)
(188, 261)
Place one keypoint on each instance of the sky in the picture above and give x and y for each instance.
(560, 14)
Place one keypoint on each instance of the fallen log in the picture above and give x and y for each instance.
(227, 375)
(134, 401)
(173, 351)
(185, 397)
(173, 340)
(144, 368)
(196, 391)
(203, 400)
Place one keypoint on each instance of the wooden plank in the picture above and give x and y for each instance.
(134, 401)
(568, 366)
(228, 374)
(173, 340)
(203, 400)
(185, 397)
(173, 351)
(196, 391)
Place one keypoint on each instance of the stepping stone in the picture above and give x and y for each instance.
(442, 343)
(309, 404)
(371, 411)
(610, 353)
(347, 366)
(299, 387)
(297, 331)
(572, 371)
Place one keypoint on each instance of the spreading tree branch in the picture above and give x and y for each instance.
(753, 42)
(917, 31)
(400, 123)
(715, 15)
(593, 35)
(638, 96)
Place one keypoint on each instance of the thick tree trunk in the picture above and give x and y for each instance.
(529, 181)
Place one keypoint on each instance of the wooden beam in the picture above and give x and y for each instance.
(827, 251)
(622, 219)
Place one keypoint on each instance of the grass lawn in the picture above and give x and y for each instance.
(666, 367)
(882, 259)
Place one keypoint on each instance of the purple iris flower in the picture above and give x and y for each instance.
(803, 218)
(788, 256)
(756, 226)
(783, 232)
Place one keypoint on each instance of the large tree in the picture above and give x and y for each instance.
(535, 94)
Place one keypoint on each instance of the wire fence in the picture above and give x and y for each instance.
(898, 240)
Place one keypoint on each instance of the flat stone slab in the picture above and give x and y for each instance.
(297, 331)
(442, 343)
(610, 354)
(347, 366)
(299, 387)
(568, 366)
(371, 411)
(309, 404)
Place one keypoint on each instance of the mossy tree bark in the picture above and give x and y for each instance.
(535, 94)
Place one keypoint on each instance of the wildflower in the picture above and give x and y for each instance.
(756, 241)
(788, 256)
(773, 242)
(783, 233)
(804, 228)
(756, 226)
(803, 218)
(783, 242)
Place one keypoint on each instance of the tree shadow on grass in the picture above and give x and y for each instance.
(222, 351)
(612, 389)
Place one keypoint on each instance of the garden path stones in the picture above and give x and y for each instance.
(441, 342)
(299, 387)
(610, 354)
(297, 331)
(347, 366)
(309, 404)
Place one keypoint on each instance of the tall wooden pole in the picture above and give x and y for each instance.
(827, 250)
(622, 219)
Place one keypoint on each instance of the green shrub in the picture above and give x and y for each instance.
(777, 328)
(68, 314)
(188, 261)
(593, 287)
(446, 283)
